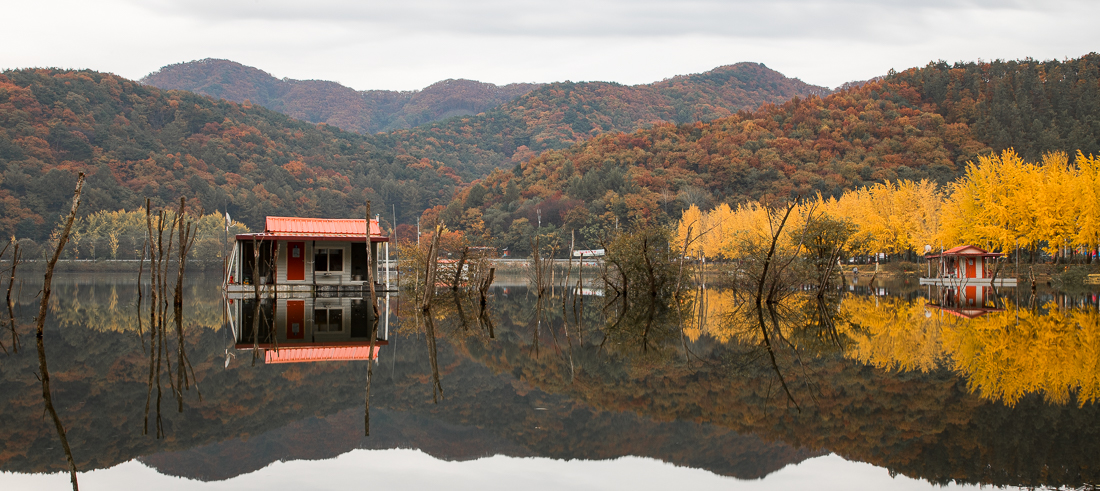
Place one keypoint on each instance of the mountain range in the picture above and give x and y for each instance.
(319, 101)
(922, 123)
(584, 156)
(136, 141)
(704, 96)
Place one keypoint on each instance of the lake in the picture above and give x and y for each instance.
(886, 386)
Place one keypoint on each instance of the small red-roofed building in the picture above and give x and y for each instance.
(306, 255)
(966, 262)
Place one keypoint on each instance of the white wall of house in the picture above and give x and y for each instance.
(322, 277)
(311, 333)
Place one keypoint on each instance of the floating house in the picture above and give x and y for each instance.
(306, 255)
(965, 264)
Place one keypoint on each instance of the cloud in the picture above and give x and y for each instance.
(368, 44)
(848, 19)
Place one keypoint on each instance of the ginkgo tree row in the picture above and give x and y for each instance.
(122, 234)
(1002, 203)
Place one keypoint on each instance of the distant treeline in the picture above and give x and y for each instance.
(113, 235)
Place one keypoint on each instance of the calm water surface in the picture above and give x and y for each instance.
(897, 387)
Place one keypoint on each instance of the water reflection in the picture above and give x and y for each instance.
(306, 329)
(890, 380)
(1005, 354)
(786, 371)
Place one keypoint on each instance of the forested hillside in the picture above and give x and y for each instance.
(319, 101)
(559, 115)
(551, 116)
(924, 123)
(135, 141)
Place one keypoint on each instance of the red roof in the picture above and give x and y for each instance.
(319, 226)
(328, 353)
(319, 229)
(966, 250)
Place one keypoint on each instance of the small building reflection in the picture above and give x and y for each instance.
(969, 302)
(294, 330)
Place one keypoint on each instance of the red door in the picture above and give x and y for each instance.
(971, 269)
(295, 315)
(295, 261)
(970, 296)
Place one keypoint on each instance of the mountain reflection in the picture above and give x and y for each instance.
(1006, 398)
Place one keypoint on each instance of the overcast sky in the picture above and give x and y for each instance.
(409, 44)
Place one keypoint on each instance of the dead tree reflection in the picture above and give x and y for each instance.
(180, 233)
(373, 333)
(15, 254)
(429, 334)
(44, 372)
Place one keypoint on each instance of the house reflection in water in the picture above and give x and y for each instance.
(292, 330)
(969, 302)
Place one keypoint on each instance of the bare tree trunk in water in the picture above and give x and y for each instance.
(771, 355)
(488, 324)
(538, 267)
(568, 271)
(771, 254)
(10, 304)
(370, 372)
(429, 325)
(370, 263)
(42, 310)
(152, 311)
(5, 251)
(432, 266)
(141, 267)
(177, 306)
(458, 271)
(483, 289)
(161, 309)
(683, 252)
(186, 240)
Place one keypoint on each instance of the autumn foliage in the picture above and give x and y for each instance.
(921, 125)
(1003, 357)
(589, 157)
(1002, 203)
(319, 101)
(135, 141)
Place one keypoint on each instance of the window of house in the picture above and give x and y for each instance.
(328, 320)
(328, 259)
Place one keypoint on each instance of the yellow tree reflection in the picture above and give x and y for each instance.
(1004, 356)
